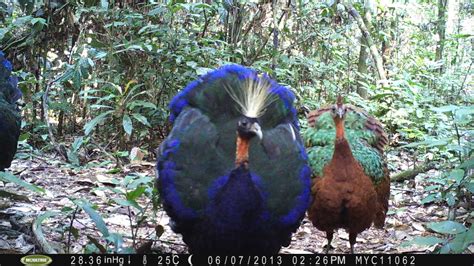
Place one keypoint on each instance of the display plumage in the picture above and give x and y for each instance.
(10, 120)
(233, 173)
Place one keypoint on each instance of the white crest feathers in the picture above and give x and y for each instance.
(253, 97)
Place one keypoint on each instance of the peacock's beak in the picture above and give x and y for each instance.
(257, 130)
(249, 127)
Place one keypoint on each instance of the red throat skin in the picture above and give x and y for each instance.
(242, 151)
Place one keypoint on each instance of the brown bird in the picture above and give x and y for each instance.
(351, 183)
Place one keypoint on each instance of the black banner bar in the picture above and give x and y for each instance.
(236, 260)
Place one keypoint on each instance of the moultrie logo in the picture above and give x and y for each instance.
(36, 260)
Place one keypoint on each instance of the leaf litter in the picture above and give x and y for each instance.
(407, 217)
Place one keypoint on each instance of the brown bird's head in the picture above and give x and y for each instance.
(338, 111)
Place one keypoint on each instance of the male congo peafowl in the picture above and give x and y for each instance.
(233, 173)
(10, 120)
(351, 184)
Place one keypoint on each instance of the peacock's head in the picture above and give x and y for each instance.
(338, 111)
(248, 128)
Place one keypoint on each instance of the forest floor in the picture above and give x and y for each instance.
(406, 218)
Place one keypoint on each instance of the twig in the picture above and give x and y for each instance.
(141, 218)
(206, 23)
(157, 240)
(70, 231)
(465, 78)
(131, 225)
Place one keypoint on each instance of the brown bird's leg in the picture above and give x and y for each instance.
(329, 235)
(352, 241)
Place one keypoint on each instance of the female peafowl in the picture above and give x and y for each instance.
(233, 173)
(351, 185)
(10, 120)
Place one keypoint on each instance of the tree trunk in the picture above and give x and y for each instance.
(370, 42)
(441, 32)
(362, 64)
(362, 69)
(275, 34)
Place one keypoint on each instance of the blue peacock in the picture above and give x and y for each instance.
(233, 173)
(10, 119)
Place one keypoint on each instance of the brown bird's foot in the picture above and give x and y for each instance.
(328, 247)
(352, 241)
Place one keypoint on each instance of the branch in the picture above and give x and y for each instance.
(370, 42)
(252, 60)
(409, 174)
(206, 23)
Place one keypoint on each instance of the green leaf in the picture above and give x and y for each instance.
(133, 195)
(430, 198)
(424, 241)
(191, 64)
(462, 241)
(457, 175)
(145, 180)
(89, 126)
(7, 177)
(462, 35)
(104, 4)
(40, 21)
(39, 229)
(465, 110)
(127, 124)
(469, 164)
(450, 199)
(140, 118)
(66, 209)
(114, 170)
(470, 187)
(142, 104)
(432, 187)
(156, 11)
(117, 241)
(97, 244)
(77, 144)
(127, 203)
(447, 227)
(446, 108)
(202, 70)
(24, 136)
(95, 216)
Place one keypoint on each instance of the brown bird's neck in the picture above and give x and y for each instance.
(342, 157)
(242, 151)
(339, 128)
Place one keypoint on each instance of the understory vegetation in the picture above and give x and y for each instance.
(97, 78)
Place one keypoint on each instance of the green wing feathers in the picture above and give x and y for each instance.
(364, 133)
